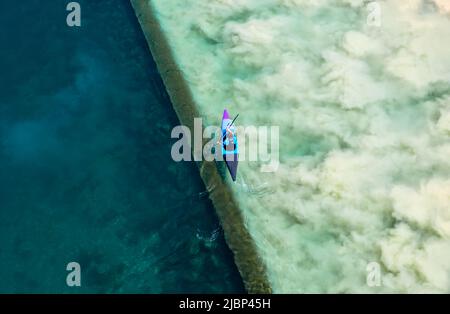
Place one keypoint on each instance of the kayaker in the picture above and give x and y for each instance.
(229, 136)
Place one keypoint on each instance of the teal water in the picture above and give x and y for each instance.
(85, 167)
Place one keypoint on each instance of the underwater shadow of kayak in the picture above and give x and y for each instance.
(222, 169)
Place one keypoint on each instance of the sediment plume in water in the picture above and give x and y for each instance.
(363, 107)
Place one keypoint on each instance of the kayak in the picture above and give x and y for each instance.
(230, 150)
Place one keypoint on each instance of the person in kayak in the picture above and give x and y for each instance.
(229, 137)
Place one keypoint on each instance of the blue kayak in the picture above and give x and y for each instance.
(230, 150)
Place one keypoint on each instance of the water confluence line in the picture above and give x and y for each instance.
(238, 238)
